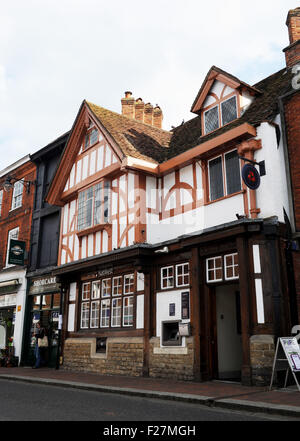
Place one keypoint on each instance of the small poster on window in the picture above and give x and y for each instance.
(185, 305)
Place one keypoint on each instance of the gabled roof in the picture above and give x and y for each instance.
(215, 73)
(263, 108)
(133, 137)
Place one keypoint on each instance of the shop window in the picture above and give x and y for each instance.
(94, 314)
(129, 284)
(224, 175)
(170, 334)
(117, 286)
(182, 275)
(109, 302)
(128, 311)
(214, 269)
(231, 266)
(93, 206)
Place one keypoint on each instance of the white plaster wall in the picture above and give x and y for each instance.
(140, 312)
(272, 195)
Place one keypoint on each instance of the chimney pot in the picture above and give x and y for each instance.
(292, 52)
(128, 105)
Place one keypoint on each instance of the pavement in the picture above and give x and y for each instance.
(227, 395)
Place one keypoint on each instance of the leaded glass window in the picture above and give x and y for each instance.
(229, 110)
(216, 184)
(233, 172)
(211, 119)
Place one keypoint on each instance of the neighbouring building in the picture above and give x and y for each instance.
(43, 291)
(17, 187)
(290, 111)
(171, 265)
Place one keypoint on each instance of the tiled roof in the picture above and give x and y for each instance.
(134, 138)
(156, 145)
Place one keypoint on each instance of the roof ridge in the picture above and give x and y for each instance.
(270, 76)
(129, 119)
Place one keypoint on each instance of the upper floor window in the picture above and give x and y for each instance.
(93, 206)
(91, 138)
(17, 195)
(1, 199)
(224, 175)
(12, 234)
(220, 115)
(175, 276)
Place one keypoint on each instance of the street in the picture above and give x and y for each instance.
(31, 402)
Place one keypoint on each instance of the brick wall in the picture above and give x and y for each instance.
(20, 217)
(166, 363)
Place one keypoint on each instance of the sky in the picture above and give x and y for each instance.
(56, 53)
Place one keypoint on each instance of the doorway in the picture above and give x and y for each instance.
(227, 330)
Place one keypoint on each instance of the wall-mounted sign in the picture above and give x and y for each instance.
(16, 253)
(44, 285)
(251, 177)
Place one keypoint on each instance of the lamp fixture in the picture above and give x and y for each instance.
(10, 180)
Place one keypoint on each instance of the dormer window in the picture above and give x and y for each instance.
(220, 115)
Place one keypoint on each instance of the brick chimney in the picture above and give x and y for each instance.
(157, 117)
(128, 105)
(148, 115)
(139, 109)
(292, 52)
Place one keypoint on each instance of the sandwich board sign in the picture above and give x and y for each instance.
(291, 351)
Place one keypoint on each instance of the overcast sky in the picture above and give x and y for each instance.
(55, 53)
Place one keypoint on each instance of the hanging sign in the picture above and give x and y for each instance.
(251, 176)
(16, 252)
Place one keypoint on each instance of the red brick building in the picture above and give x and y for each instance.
(290, 109)
(17, 188)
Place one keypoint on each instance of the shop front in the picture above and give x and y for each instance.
(43, 305)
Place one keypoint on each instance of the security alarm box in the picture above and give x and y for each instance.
(184, 329)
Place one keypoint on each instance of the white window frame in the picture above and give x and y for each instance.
(85, 308)
(221, 112)
(129, 277)
(103, 182)
(116, 308)
(95, 314)
(204, 113)
(129, 308)
(104, 318)
(183, 274)
(12, 234)
(83, 292)
(96, 293)
(118, 278)
(214, 269)
(104, 293)
(166, 278)
(20, 184)
(233, 265)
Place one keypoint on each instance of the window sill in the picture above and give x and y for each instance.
(225, 197)
(94, 229)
